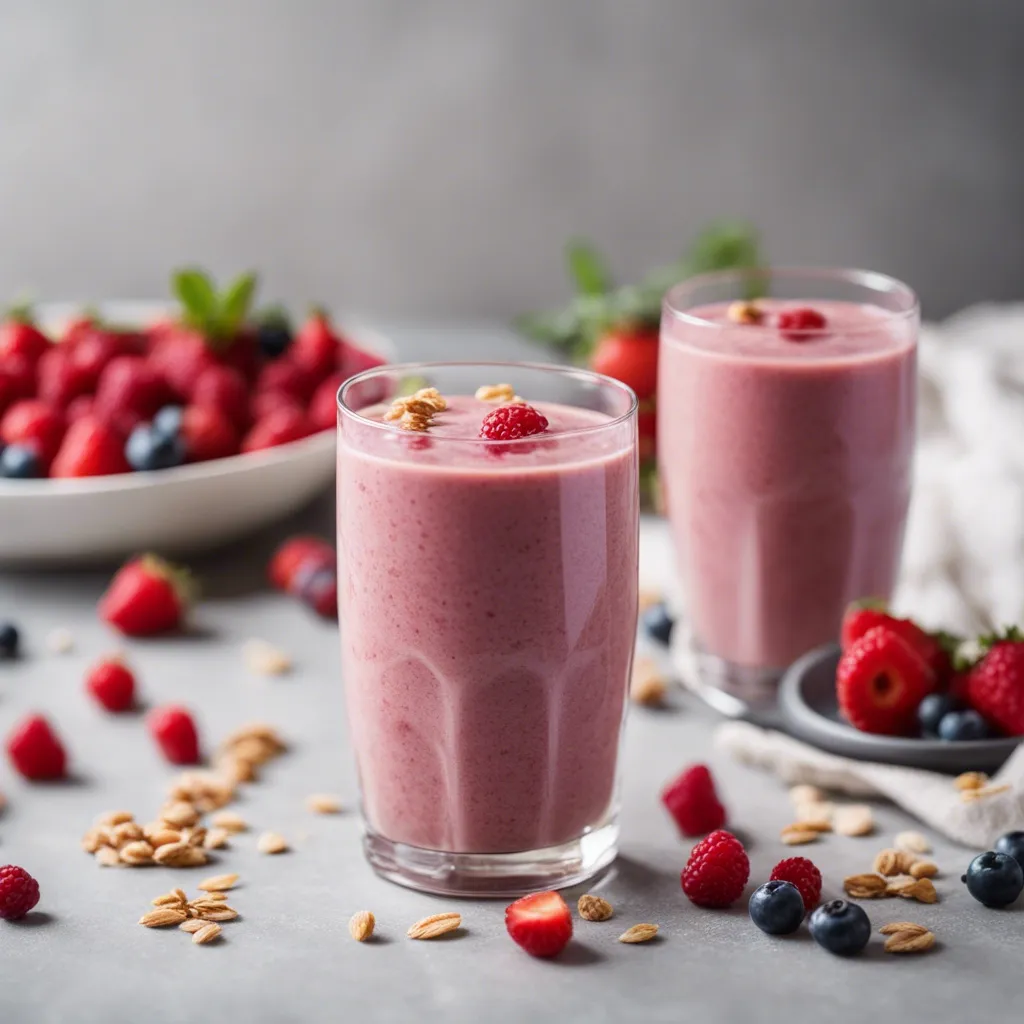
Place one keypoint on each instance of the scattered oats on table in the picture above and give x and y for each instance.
(435, 925)
(272, 842)
(323, 803)
(265, 659)
(361, 925)
(60, 640)
(647, 686)
(853, 820)
(639, 933)
(593, 908)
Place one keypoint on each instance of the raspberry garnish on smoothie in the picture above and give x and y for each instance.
(509, 422)
(801, 324)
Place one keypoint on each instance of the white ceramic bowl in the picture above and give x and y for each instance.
(174, 512)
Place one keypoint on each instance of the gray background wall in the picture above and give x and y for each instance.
(429, 158)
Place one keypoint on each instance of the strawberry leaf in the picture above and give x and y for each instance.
(235, 303)
(198, 298)
(587, 268)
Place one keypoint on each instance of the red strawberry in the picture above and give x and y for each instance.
(242, 354)
(180, 357)
(175, 732)
(266, 402)
(147, 595)
(112, 684)
(631, 356)
(693, 803)
(315, 348)
(280, 427)
(296, 554)
(862, 616)
(995, 686)
(77, 328)
(323, 409)
(717, 871)
(207, 434)
(35, 750)
(286, 377)
(647, 431)
(80, 407)
(93, 349)
(353, 360)
(225, 389)
(60, 380)
(36, 424)
(20, 337)
(130, 390)
(880, 681)
(91, 447)
(540, 923)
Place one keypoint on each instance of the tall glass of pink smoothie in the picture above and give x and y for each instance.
(488, 607)
(786, 435)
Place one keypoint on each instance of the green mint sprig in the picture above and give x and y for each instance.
(216, 314)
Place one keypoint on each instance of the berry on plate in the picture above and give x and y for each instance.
(91, 447)
(266, 402)
(994, 879)
(801, 323)
(9, 641)
(147, 595)
(181, 357)
(840, 927)
(174, 730)
(880, 682)
(315, 348)
(995, 686)
(864, 615)
(93, 348)
(60, 379)
(149, 448)
(296, 555)
(19, 892)
(323, 409)
(286, 377)
(658, 623)
(207, 433)
(1012, 844)
(35, 750)
(168, 420)
(804, 875)
(281, 426)
(36, 425)
(20, 337)
(958, 726)
(540, 923)
(225, 389)
(80, 407)
(112, 684)
(20, 462)
(717, 871)
(509, 422)
(130, 390)
(777, 907)
(274, 334)
(693, 803)
(932, 710)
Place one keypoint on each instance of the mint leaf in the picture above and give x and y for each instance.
(235, 303)
(198, 297)
(587, 268)
(724, 245)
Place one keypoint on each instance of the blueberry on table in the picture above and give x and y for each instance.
(932, 710)
(995, 879)
(1012, 844)
(840, 927)
(777, 908)
(19, 462)
(963, 725)
(9, 638)
(148, 448)
(658, 623)
(168, 420)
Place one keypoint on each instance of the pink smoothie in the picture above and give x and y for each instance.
(488, 610)
(786, 469)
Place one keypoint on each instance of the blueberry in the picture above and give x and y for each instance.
(1012, 844)
(840, 927)
(963, 725)
(777, 908)
(19, 462)
(9, 638)
(658, 623)
(274, 334)
(932, 710)
(995, 879)
(168, 421)
(148, 448)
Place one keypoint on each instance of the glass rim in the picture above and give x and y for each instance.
(579, 372)
(882, 284)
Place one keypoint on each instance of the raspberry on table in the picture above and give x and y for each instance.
(804, 875)
(692, 801)
(175, 732)
(717, 871)
(508, 422)
(19, 892)
(35, 750)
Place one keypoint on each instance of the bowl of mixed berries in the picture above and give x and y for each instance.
(177, 426)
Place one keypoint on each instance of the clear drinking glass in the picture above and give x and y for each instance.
(785, 458)
(488, 613)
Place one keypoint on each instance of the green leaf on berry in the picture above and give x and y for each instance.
(235, 302)
(587, 268)
(197, 295)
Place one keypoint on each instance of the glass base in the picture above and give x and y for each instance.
(493, 874)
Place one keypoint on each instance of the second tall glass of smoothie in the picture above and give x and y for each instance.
(488, 611)
(786, 434)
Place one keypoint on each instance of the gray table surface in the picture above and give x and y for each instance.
(81, 956)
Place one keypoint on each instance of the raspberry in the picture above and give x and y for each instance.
(112, 684)
(801, 323)
(717, 871)
(693, 803)
(35, 750)
(19, 892)
(804, 875)
(880, 682)
(861, 617)
(175, 731)
(508, 422)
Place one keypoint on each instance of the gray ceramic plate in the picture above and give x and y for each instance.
(807, 701)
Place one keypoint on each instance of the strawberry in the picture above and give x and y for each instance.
(540, 923)
(175, 732)
(93, 348)
(323, 409)
(630, 355)
(77, 328)
(80, 407)
(280, 427)
(225, 389)
(315, 348)
(242, 354)
(34, 423)
(353, 360)
(130, 391)
(288, 378)
(91, 447)
(181, 357)
(60, 380)
(20, 337)
(207, 434)
(880, 682)
(995, 685)
(36, 751)
(296, 555)
(112, 684)
(147, 595)
(864, 615)
(263, 403)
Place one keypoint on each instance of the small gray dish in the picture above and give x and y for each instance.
(807, 701)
